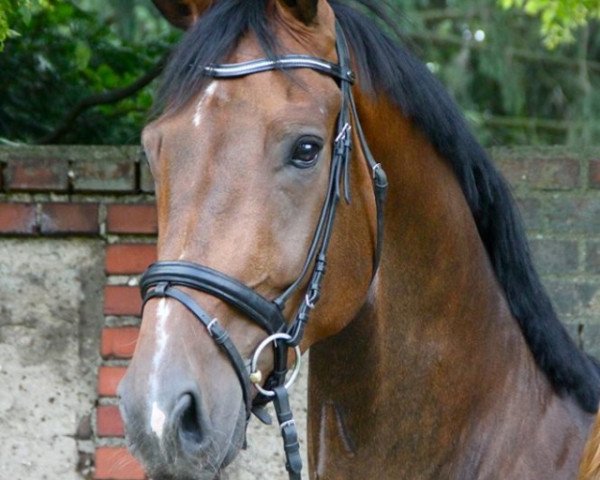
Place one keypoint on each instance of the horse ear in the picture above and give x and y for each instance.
(182, 13)
(303, 10)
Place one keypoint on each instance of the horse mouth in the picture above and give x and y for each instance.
(164, 461)
(180, 468)
(170, 476)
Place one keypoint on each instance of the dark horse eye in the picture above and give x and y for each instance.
(306, 152)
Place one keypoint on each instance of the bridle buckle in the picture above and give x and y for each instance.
(342, 135)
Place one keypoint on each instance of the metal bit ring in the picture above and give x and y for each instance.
(258, 352)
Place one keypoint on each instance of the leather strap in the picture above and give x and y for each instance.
(380, 184)
(216, 331)
(289, 432)
(380, 181)
(186, 274)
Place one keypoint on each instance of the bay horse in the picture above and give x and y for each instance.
(435, 352)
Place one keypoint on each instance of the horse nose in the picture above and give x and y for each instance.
(171, 416)
(189, 423)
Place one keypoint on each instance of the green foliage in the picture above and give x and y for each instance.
(559, 17)
(9, 9)
(511, 88)
(68, 51)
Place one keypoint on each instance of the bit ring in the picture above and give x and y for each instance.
(258, 352)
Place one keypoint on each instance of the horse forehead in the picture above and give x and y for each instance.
(271, 98)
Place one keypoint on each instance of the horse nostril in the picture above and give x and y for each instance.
(191, 432)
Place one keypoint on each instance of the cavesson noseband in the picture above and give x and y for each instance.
(163, 279)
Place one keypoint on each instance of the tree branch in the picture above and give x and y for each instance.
(520, 54)
(440, 14)
(532, 123)
(104, 98)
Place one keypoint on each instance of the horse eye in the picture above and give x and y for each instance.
(306, 152)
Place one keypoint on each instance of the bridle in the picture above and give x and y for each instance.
(163, 279)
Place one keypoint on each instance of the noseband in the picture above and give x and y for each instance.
(164, 279)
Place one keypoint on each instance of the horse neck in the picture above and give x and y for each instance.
(435, 350)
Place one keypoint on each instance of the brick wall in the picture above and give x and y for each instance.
(559, 194)
(106, 193)
(102, 193)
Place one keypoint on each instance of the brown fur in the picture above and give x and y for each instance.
(182, 13)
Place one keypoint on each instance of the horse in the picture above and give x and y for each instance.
(317, 188)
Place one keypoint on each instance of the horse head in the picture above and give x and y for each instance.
(247, 188)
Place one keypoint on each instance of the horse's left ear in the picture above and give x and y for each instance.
(303, 10)
(182, 13)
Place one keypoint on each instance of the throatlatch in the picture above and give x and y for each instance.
(164, 279)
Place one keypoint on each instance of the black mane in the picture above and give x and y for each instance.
(385, 66)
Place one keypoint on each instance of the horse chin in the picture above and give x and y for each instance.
(206, 465)
(238, 439)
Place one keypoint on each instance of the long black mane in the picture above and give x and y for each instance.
(387, 67)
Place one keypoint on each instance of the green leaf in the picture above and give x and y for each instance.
(83, 54)
(25, 12)
(559, 18)
(107, 76)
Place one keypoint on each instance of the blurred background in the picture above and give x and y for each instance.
(73, 71)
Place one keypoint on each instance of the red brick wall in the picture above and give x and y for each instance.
(96, 193)
(106, 192)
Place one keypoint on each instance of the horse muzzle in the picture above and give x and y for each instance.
(182, 421)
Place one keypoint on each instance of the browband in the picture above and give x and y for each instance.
(234, 70)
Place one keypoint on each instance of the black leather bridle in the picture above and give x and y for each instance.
(163, 279)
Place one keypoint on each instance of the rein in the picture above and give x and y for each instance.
(163, 279)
